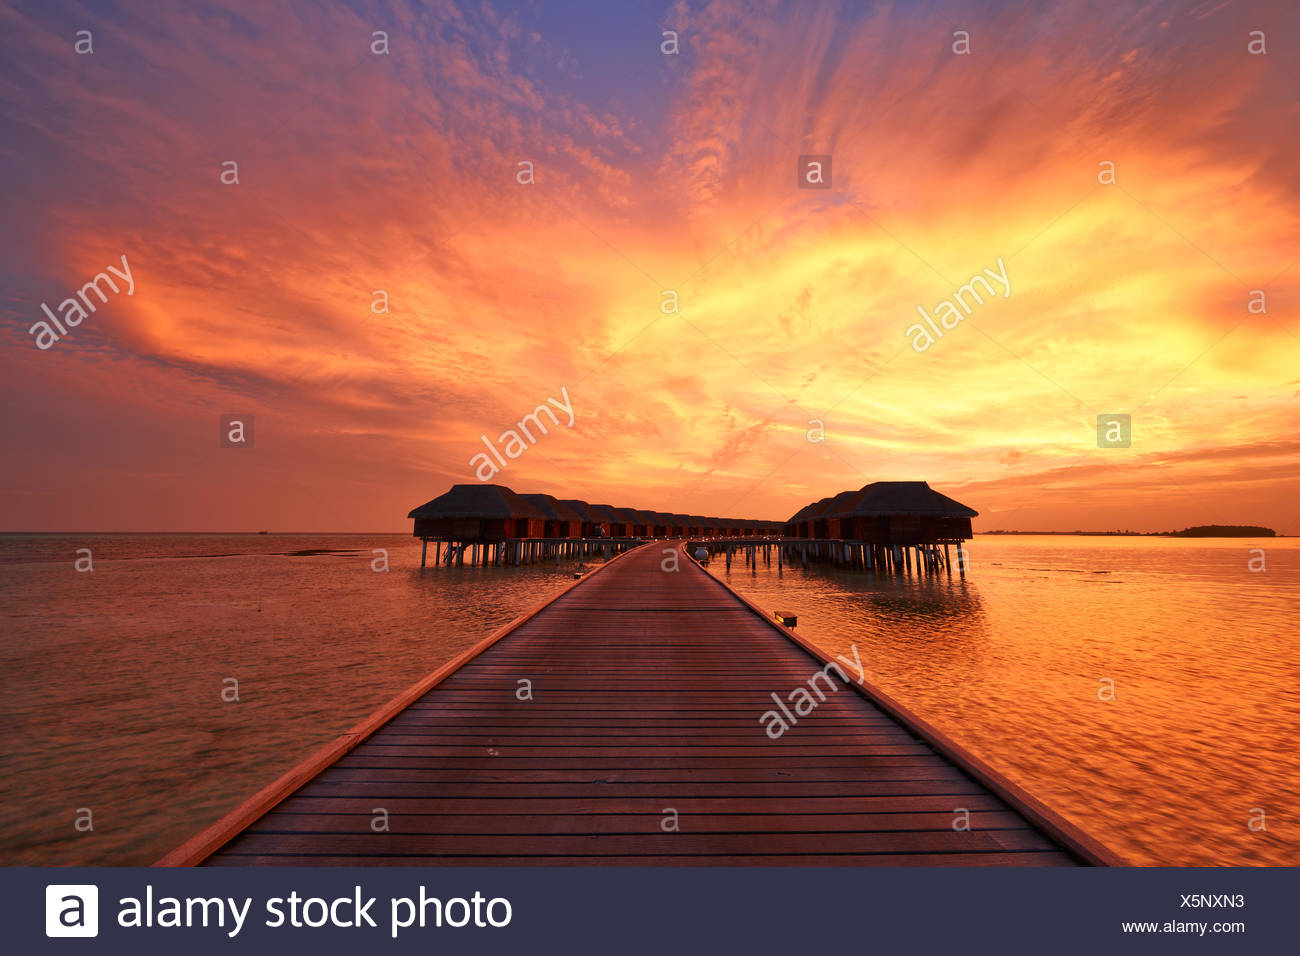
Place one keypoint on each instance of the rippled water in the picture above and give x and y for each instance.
(112, 679)
(1201, 734)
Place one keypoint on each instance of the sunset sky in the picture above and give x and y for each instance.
(361, 171)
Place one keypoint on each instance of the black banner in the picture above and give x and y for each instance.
(696, 910)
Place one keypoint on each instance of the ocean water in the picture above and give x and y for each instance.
(112, 679)
(1146, 688)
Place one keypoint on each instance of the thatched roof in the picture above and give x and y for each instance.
(478, 501)
(810, 511)
(498, 501)
(581, 509)
(553, 507)
(842, 505)
(883, 498)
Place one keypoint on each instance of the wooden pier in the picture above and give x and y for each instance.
(622, 722)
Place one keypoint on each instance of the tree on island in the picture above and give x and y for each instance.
(1224, 531)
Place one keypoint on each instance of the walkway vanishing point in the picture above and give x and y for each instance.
(644, 743)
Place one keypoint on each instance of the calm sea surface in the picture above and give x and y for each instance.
(112, 679)
(1202, 731)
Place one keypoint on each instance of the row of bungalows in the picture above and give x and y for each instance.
(884, 523)
(496, 523)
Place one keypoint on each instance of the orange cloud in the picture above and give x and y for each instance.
(361, 173)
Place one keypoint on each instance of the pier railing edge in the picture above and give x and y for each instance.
(1085, 847)
(217, 834)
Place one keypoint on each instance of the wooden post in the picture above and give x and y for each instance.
(961, 561)
(424, 551)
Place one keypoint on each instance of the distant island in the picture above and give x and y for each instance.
(1197, 531)
(1225, 531)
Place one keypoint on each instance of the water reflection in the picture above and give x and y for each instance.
(1010, 662)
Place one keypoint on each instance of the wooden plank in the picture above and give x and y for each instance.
(712, 806)
(359, 822)
(684, 843)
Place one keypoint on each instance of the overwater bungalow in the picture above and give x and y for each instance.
(624, 523)
(791, 526)
(663, 524)
(886, 525)
(809, 526)
(799, 525)
(643, 523)
(593, 526)
(906, 513)
(608, 518)
(561, 520)
(832, 520)
(478, 513)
